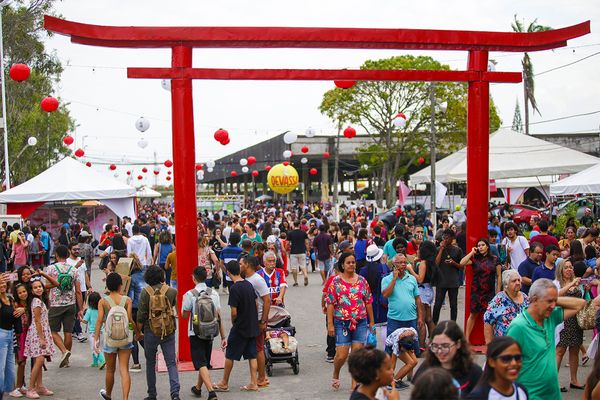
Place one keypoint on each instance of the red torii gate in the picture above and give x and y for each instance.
(183, 39)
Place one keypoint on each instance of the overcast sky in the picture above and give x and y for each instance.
(106, 104)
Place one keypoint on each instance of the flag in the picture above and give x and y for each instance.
(403, 192)
(440, 194)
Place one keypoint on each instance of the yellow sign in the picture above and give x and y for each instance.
(283, 179)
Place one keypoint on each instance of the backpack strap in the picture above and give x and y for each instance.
(195, 293)
(164, 289)
(110, 301)
(123, 301)
(149, 290)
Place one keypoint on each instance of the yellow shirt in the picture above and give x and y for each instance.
(14, 236)
(172, 262)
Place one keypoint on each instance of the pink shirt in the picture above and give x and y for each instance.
(349, 299)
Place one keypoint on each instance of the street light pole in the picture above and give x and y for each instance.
(433, 157)
(4, 117)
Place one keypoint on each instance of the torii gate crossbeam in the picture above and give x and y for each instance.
(183, 39)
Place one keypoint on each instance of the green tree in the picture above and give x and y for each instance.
(23, 35)
(517, 124)
(373, 105)
(528, 81)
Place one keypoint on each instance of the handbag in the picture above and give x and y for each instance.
(586, 317)
(372, 338)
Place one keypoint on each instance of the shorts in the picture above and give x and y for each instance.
(324, 265)
(260, 342)
(62, 316)
(345, 337)
(201, 350)
(426, 294)
(297, 261)
(239, 346)
(108, 349)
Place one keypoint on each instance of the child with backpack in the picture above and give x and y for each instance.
(90, 318)
(155, 314)
(202, 306)
(114, 314)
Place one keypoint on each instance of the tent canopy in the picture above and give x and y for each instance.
(147, 192)
(67, 180)
(584, 182)
(512, 155)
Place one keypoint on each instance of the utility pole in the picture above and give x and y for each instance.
(433, 156)
(4, 116)
(336, 171)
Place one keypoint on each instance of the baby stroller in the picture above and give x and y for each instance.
(280, 344)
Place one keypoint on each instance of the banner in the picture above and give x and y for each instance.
(403, 192)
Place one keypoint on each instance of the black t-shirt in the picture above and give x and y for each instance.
(297, 239)
(243, 297)
(343, 225)
(448, 273)
(322, 243)
(356, 395)
(379, 241)
(467, 382)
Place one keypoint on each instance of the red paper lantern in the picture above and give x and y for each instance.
(140, 177)
(88, 164)
(112, 167)
(349, 132)
(233, 173)
(156, 172)
(225, 142)
(221, 135)
(421, 160)
(169, 172)
(326, 154)
(168, 163)
(168, 178)
(49, 104)
(79, 153)
(198, 167)
(68, 140)
(286, 163)
(312, 171)
(251, 160)
(128, 172)
(255, 173)
(19, 72)
(268, 168)
(144, 170)
(304, 149)
(344, 84)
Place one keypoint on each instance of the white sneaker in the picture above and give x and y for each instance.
(16, 393)
(135, 368)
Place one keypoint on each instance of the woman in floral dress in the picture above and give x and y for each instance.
(486, 280)
(505, 306)
(38, 344)
(349, 313)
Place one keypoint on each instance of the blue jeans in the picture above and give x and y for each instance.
(7, 361)
(393, 324)
(167, 344)
(345, 337)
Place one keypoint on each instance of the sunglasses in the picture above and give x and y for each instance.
(509, 357)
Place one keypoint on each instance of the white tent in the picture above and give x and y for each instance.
(70, 180)
(147, 192)
(584, 182)
(512, 155)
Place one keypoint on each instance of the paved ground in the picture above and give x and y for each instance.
(82, 382)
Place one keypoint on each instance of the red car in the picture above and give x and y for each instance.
(521, 215)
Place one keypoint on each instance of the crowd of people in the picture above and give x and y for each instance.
(536, 293)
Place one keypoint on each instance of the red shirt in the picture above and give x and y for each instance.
(411, 248)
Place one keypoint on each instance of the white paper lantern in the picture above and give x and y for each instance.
(243, 162)
(290, 137)
(244, 169)
(210, 169)
(166, 84)
(142, 143)
(400, 121)
(310, 132)
(287, 154)
(32, 141)
(210, 164)
(200, 175)
(142, 124)
(304, 160)
(365, 166)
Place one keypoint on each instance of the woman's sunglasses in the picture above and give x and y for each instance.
(509, 357)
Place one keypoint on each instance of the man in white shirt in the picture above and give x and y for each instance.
(517, 247)
(128, 226)
(139, 245)
(201, 349)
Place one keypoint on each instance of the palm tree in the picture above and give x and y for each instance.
(528, 82)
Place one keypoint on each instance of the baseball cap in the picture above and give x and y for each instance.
(344, 245)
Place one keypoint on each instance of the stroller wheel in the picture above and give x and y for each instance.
(269, 369)
(296, 368)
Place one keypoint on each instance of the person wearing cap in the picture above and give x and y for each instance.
(373, 272)
(588, 219)
(401, 290)
(344, 247)
(86, 252)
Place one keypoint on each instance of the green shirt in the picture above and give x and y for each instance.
(144, 305)
(402, 305)
(388, 249)
(539, 374)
